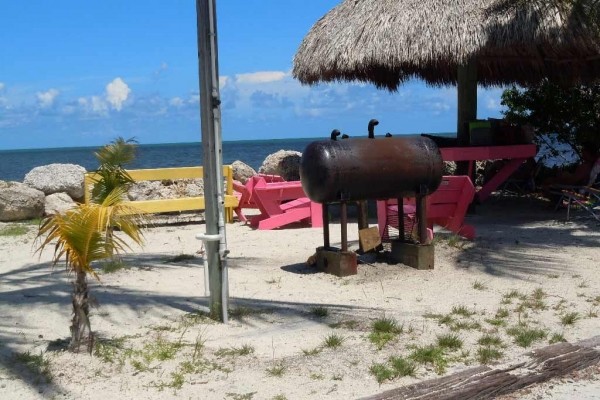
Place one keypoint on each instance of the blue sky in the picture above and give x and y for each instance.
(79, 73)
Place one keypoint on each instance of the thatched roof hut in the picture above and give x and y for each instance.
(388, 41)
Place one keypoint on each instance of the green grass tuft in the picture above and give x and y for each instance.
(524, 336)
(478, 285)
(462, 311)
(37, 364)
(449, 341)
(387, 325)
(486, 355)
(333, 341)
(433, 355)
(14, 230)
(381, 372)
(311, 352)
(402, 366)
(235, 351)
(570, 318)
(384, 330)
(557, 338)
(114, 265)
(490, 340)
(465, 325)
(277, 370)
(109, 350)
(319, 312)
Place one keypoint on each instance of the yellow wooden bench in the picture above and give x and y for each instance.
(169, 205)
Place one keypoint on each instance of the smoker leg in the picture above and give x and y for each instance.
(344, 224)
(422, 218)
(401, 219)
(325, 225)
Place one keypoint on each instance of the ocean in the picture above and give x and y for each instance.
(15, 164)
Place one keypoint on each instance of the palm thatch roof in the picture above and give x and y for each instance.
(388, 41)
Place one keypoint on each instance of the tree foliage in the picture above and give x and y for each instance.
(569, 115)
(111, 173)
(83, 235)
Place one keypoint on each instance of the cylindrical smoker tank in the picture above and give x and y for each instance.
(362, 168)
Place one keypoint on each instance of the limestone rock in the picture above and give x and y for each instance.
(57, 178)
(144, 190)
(58, 203)
(19, 202)
(242, 172)
(285, 163)
(167, 189)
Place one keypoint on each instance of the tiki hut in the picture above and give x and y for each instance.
(452, 42)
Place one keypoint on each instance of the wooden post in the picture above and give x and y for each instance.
(467, 106)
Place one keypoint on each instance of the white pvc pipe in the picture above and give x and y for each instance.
(207, 238)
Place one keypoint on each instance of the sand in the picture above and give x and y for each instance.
(273, 347)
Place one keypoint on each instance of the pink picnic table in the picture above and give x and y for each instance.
(282, 203)
(516, 154)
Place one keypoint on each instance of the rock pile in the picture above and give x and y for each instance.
(56, 188)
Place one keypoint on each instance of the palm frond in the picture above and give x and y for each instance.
(85, 234)
(117, 153)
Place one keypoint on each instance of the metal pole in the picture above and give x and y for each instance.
(210, 113)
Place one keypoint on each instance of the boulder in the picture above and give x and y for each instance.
(145, 190)
(58, 203)
(57, 178)
(242, 172)
(19, 202)
(285, 163)
(166, 189)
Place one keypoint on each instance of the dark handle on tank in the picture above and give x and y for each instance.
(334, 134)
(372, 124)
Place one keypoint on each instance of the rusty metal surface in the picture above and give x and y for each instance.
(362, 168)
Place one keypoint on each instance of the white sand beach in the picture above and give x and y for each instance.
(527, 266)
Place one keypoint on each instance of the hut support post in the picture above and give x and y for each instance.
(467, 107)
(210, 112)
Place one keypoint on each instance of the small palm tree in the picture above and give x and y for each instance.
(112, 174)
(83, 235)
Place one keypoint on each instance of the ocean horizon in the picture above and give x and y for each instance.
(15, 164)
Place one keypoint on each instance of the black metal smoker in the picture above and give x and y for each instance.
(357, 169)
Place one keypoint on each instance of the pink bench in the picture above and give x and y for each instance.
(446, 207)
(245, 193)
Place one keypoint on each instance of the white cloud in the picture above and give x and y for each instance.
(223, 80)
(46, 99)
(493, 104)
(2, 86)
(93, 105)
(260, 77)
(117, 93)
(176, 102)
